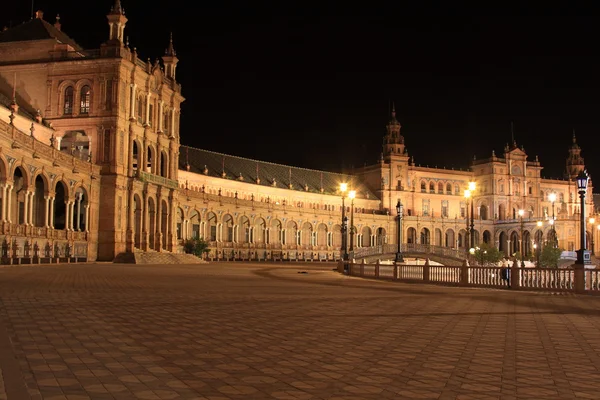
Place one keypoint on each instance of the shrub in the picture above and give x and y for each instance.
(197, 247)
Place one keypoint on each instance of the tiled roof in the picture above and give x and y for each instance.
(215, 163)
(36, 29)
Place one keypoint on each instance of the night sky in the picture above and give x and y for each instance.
(312, 86)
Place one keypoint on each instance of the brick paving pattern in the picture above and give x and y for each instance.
(264, 331)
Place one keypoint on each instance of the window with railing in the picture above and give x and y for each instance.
(85, 97)
(68, 103)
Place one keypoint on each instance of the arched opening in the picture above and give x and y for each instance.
(227, 229)
(179, 223)
(244, 232)
(17, 201)
(260, 231)
(476, 238)
(450, 239)
(336, 239)
(381, 236)
(275, 236)
(152, 223)
(137, 215)
(80, 210)
(322, 235)
(526, 244)
(291, 233)
(487, 237)
(149, 159)
(164, 223)
(514, 243)
(85, 100)
(503, 242)
(364, 239)
(211, 220)
(39, 202)
(136, 156)
(164, 164)
(60, 205)
(307, 231)
(425, 236)
(438, 237)
(195, 224)
(411, 236)
(68, 103)
(483, 212)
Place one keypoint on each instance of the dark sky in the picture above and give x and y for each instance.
(311, 86)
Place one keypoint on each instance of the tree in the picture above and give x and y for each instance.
(550, 256)
(486, 254)
(197, 247)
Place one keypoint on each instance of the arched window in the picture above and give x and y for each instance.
(440, 188)
(423, 186)
(85, 99)
(448, 188)
(68, 108)
(431, 187)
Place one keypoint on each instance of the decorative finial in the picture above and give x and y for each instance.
(127, 41)
(117, 9)
(32, 129)
(493, 153)
(393, 110)
(52, 140)
(574, 138)
(170, 51)
(57, 23)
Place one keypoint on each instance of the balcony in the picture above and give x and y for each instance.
(156, 179)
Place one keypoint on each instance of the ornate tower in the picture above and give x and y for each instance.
(116, 22)
(170, 59)
(393, 142)
(575, 163)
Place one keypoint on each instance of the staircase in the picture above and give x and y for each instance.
(156, 258)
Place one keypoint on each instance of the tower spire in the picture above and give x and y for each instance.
(117, 9)
(170, 51)
(170, 59)
(116, 22)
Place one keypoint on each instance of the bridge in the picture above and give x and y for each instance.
(440, 254)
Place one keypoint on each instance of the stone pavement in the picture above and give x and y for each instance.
(265, 331)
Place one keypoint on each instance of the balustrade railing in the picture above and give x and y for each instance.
(575, 280)
(157, 179)
(409, 248)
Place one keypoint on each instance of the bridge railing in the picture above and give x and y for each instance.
(409, 248)
(575, 280)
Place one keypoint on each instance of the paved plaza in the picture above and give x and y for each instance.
(266, 331)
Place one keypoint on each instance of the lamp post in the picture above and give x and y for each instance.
(538, 244)
(467, 197)
(592, 220)
(552, 198)
(472, 191)
(583, 256)
(352, 195)
(521, 245)
(400, 211)
(343, 189)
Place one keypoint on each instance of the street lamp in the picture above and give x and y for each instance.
(537, 255)
(467, 196)
(400, 211)
(592, 220)
(472, 187)
(538, 243)
(521, 213)
(343, 189)
(583, 256)
(352, 195)
(552, 198)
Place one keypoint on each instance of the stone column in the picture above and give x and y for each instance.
(52, 200)
(130, 156)
(31, 205)
(4, 201)
(26, 208)
(87, 217)
(158, 224)
(145, 220)
(9, 203)
(132, 102)
(46, 211)
(147, 119)
(79, 198)
(160, 116)
(156, 168)
(130, 238)
(171, 234)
